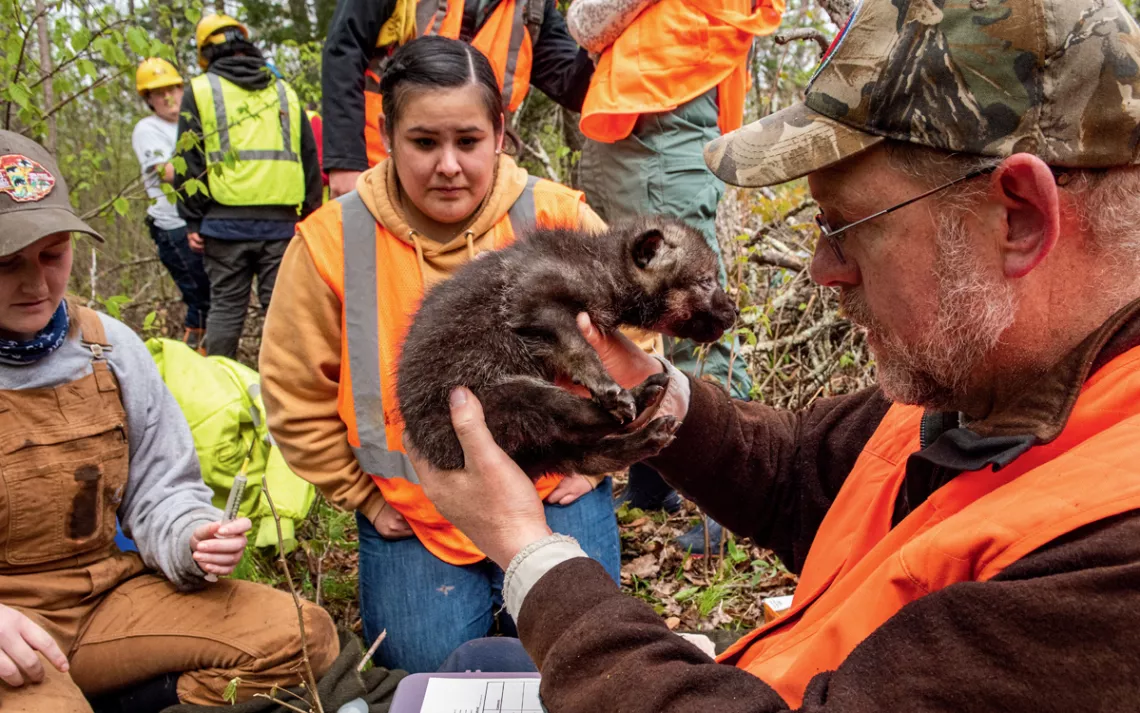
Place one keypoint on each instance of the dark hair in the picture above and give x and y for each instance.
(434, 62)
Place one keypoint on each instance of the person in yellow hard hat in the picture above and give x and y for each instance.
(256, 154)
(154, 139)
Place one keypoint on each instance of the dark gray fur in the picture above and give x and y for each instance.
(504, 326)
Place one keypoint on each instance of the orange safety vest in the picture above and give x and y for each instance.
(860, 571)
(384, 288)
(505, 37)
(675, 51)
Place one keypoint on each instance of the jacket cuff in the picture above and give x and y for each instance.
(193, 226)
(529, 566)
(372, 506)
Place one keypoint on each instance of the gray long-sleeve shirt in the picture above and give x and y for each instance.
(165, 498)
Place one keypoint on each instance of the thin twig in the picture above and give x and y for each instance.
(127, 265)
(371, 650)
(312, 680)
(280, 702)
(134, 183)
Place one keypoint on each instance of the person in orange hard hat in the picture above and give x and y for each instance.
(154, 138)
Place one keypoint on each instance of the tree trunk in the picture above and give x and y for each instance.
(46, 69)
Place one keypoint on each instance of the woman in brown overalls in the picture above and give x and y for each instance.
(89, 432)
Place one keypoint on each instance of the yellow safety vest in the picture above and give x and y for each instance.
(264, 126)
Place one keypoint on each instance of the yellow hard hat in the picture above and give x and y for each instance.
(155, 73)
(208, 26)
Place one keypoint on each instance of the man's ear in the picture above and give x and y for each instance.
(384, 136)
(1025, 186)
(646, 245)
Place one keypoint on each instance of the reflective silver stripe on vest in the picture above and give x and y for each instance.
(285, 154)
(518, 26)
(429, 16)
(522, 215)
(358, 229)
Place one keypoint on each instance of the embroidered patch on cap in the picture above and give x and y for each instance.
(24, 179)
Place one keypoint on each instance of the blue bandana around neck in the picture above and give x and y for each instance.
(45, 342)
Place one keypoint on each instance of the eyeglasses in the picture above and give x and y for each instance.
(832, 236)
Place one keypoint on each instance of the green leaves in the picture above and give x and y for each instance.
(193, 186)
(138, 41)
(121, 205)
(19, 94)
(114, 304)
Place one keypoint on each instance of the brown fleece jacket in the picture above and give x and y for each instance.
(1058, 630)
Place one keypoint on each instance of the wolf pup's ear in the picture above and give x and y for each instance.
(646, 245)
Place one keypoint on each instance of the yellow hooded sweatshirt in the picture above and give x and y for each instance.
(301, 342)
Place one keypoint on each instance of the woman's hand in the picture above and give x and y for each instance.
(20, 639)
(217, 546)
(492, 501)
(569, 489)
(391, 524)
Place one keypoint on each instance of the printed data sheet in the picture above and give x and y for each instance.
(482, 695)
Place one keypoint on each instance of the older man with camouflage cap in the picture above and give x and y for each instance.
(968, 531)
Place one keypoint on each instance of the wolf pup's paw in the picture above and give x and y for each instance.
(649, 392)
(619, 402)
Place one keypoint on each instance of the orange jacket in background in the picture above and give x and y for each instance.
(509, 52)
(672, 53)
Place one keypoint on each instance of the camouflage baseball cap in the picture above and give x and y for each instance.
(1056, 78)
(33, 196)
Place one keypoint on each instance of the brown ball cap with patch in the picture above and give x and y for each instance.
(33, 196)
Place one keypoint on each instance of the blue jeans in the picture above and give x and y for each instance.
(430, 607)
(490, 655)
(186, 267)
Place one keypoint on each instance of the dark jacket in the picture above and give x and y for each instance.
(1058, 630)
(249, 73)
(560, 69)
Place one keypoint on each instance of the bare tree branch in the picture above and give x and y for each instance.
(544, 158)
(803, 33)
(79, 53)
(84, 90)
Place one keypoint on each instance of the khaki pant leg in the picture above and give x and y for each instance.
(231, 629)
(57, 693)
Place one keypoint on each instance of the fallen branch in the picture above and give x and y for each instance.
(803, 33)
(827, 322)
(311, 679)
(771, 258)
